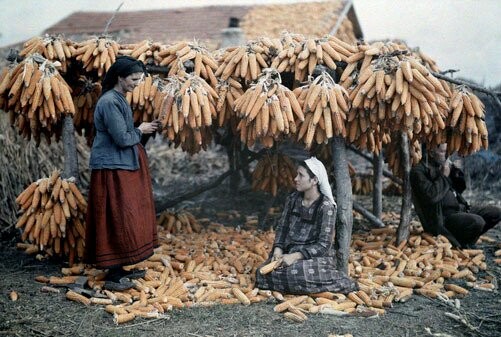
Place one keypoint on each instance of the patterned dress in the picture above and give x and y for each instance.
(310, 231)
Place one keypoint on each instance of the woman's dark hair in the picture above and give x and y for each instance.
(310, 173)
(123, 67)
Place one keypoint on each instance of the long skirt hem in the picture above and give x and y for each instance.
(121, 223)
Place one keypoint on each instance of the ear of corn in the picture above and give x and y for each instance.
(13, 296)
(73, 296)
(164, 287)
(268, 268)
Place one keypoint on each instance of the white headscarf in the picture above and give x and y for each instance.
(320, 172)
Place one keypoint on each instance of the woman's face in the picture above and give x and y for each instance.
(303, 180)
(130, 82)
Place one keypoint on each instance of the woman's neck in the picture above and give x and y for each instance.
(118, 88)
(310, 196)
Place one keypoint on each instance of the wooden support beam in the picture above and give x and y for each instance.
(405, 212)
(70, 150)
(344, 223)
(367, 214)
(162, 205)
(386, 173)
(377, 185)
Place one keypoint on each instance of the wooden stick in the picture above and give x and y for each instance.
(405, 212)
(386, 173)
(368, 215)
(377, 183)
(344, 199)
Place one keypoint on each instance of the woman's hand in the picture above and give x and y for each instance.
(277, 254)
(148, 127)
(288, 259)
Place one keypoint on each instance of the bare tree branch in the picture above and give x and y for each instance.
(494, 94)
(386, 173)
(111, 19)
(367, 214)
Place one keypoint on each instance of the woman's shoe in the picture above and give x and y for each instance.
(123, 284)
(134, 274)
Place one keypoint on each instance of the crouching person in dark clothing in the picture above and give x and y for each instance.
(437, 185)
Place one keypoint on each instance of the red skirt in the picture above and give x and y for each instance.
(121, 224)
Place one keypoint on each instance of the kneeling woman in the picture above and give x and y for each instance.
(304, 239)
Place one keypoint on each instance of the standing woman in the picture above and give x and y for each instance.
(121, 227)
(304, 239)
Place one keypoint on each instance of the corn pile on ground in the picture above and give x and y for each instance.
(217, 266)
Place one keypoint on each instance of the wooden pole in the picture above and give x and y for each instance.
(162, 205)
(377, 185)
(405, 212)
(70, 150)
(344, 218)
(386, 173)
(368, 215)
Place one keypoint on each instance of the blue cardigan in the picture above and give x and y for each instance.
(114, 144)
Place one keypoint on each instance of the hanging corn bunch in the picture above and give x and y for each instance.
(6, 81)
(425, 59)
(228, 92)
(187, 112)
(325, 104)
(53, 48)
(467, 120)
(97, 54)
(292, 44)
(267, 110)
(145, 51)
(392, 155)
(273, 172)
(365, 134)
(53, 213)
(396, 92)
(85, 97)
(176, 55)
(146, 99)
(248, 61)
(363, 57)
(367, 122)
(179, 222)
(362, 184)
(302, 56)
(367, 53)
(38, 96)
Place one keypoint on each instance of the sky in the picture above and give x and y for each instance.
(458, 34)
